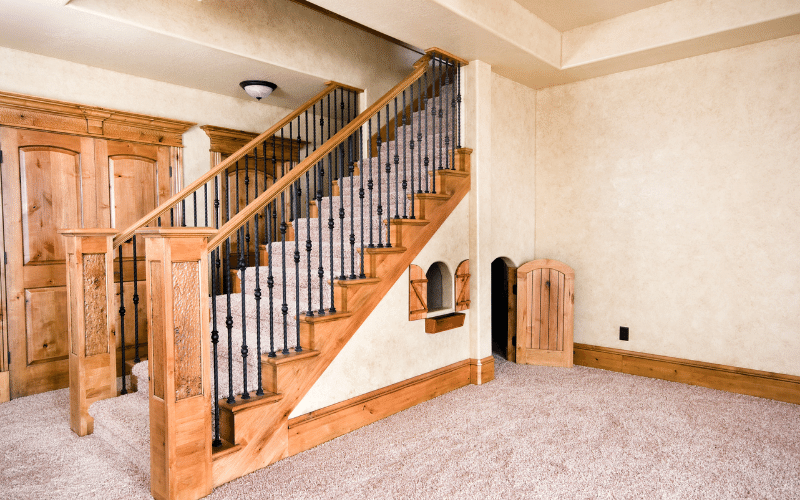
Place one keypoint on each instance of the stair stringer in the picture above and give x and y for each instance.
(267, 430)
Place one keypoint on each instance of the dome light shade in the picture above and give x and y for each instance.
(258, 88)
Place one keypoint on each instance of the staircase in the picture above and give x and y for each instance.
(283, 321)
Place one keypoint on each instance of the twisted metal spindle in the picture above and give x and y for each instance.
(122, 318)
(379, 211)
(396, 164)
(136, 358)
(388, 184)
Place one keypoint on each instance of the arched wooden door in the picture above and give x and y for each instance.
(545, 298)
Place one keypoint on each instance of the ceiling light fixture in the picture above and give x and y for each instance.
(258, 88)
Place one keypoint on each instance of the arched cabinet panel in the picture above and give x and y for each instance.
(545, 298)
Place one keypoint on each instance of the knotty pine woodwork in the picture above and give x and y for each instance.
(511, 347)
(53, 181)
(417, 293)
(757, 383)
(481, 371)
(91, 341)
(462, 286)
(545, 300)
(179, 362)
(23, 111)
(319, 426)
(5, 389)
(268, 434)
(444, 322)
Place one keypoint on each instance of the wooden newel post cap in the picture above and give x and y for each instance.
(98, 231)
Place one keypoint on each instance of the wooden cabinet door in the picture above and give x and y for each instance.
(545, 297)
(136, 179)
(48, 184)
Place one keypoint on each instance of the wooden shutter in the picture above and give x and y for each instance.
(417, 293)
(462, 286)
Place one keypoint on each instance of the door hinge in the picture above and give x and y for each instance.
(9, 357)
(1, 156)
(170, 171)
(5, 258)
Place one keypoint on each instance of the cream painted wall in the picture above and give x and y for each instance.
(513, 174)
(40, 76)
(279, 32)
(673, 192)
(388, 348)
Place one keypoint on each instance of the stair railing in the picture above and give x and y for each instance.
(220, 193)
(375, 167)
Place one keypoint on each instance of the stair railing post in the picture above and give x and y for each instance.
(92, 342)
(179, 361)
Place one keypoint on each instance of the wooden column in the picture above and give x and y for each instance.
(91, 339)
(179, 362)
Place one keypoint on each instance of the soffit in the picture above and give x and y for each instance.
(81, 37)
(565, 15)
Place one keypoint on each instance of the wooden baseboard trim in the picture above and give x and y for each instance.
(758, 383)
(317, 427)
(5, 387)
(481, 371)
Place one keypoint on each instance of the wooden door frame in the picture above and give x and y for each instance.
(19, 111)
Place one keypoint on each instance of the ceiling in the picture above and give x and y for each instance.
(565, 15)
(82, 37)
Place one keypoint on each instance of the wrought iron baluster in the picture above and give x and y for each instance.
(440, 111)
(136, 358)
(309, 311)
(295, 220)
(420, 115)
(256, 270)
(447, 91)
(215, 342)
(226, 269)
(424, 118)
(269, 219)
(320, 269)
(396, 164)
(205, 202)
(411, 145)
(388, 184)
(183, 212)
(122, 317)
(369, 185)
(332, 308)
(361, 195)
(380, 198)
(458, 103)
(405, 144)
(284, 305)
(434, 81)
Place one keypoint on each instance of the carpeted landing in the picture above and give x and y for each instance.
(534, 432)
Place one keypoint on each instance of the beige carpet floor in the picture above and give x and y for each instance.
(534, 432)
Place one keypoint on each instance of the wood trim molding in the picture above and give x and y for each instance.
(23, 111)
(5, 387)
(758, 383)
(227, 140)
(481, 371)
(317, 427)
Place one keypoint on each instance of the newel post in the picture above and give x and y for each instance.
(179, 361)
(92, 345)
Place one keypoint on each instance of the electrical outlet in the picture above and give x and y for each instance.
(623, 333)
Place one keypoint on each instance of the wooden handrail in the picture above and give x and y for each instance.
(235, 222)
(224, 165)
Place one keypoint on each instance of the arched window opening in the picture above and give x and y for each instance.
(440, 288)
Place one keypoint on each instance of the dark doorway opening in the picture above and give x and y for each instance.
(503, 308)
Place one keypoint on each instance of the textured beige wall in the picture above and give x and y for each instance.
(32, 74)
(673, 192)
(513, 173)
(388, 348)
(279, 32)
